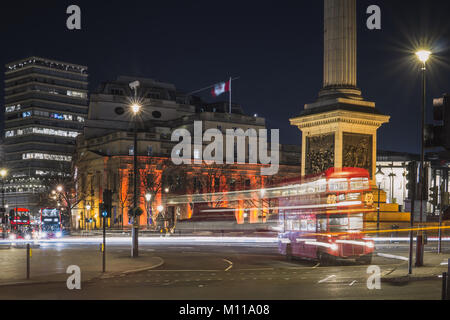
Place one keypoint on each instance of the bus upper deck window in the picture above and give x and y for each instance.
(359, 183)
(338, 184)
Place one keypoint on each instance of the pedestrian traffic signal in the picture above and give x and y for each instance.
(434, 196)
(411, 179)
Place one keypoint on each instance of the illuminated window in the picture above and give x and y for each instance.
(76, 94)
(13, 108)
(359, 184)
(338, 184)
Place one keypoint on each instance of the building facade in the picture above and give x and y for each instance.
(105, 151)
(46, 105)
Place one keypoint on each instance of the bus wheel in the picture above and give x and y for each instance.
(367, 259)
(322, 257)
(326, 259)
(289, 256)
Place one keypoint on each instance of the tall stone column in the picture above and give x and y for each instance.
(340, 43)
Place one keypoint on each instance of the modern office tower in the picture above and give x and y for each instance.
(46, 104)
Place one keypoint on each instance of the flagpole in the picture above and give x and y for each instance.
(230, 95)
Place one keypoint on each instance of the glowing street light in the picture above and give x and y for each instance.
(136, 108)
(148, 197)
(88, 207)
(160, 208)
(59, 188)
(3, 173)
(423, 55)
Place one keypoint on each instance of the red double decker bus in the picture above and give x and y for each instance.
(322, 217)
(20, 223)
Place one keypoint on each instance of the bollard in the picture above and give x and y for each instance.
(28, 260)
(444, 286)
(447, 283)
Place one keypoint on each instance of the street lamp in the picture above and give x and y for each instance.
(88, 209)
(423, 56)
(59, 188)
(135, 108)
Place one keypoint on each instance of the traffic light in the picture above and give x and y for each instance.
(411, 179)
(439, 135)
(107, 202)
(434, 196)
(135, 212)
(103, 211)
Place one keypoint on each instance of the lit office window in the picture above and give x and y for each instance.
(76, 94)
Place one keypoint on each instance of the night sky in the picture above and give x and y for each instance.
(275, 47)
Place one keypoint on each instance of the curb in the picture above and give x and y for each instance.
(124, 273)
(408, 278)
(101, 276)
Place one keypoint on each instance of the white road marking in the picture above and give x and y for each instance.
(327, 278)
(316, 265)
(354, 281)
(230, 264)
(391, 256)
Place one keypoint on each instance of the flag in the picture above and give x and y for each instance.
(221, 88)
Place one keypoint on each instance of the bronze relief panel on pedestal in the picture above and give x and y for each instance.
(357, 151)
(319, 153)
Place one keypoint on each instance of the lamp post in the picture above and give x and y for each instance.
(148, 198)
(379, 175)
(3, 174)
(423, 56)
(88, 209)
(135, 108)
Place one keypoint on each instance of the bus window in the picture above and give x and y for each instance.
(338, 185)
(359, 183)
(311, 225)
(338, 223)
(321, 223)
(303, 225)
(356, 221)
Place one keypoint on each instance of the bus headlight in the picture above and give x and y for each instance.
(44, 234)
(12, 236)
(27, 237)
(334, 247)
(59, 234)
(370, 245)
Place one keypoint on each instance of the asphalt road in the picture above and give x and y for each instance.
(215, 272)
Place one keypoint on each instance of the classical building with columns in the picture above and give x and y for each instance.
(105, 150)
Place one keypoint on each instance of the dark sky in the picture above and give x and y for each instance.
(275, 47)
